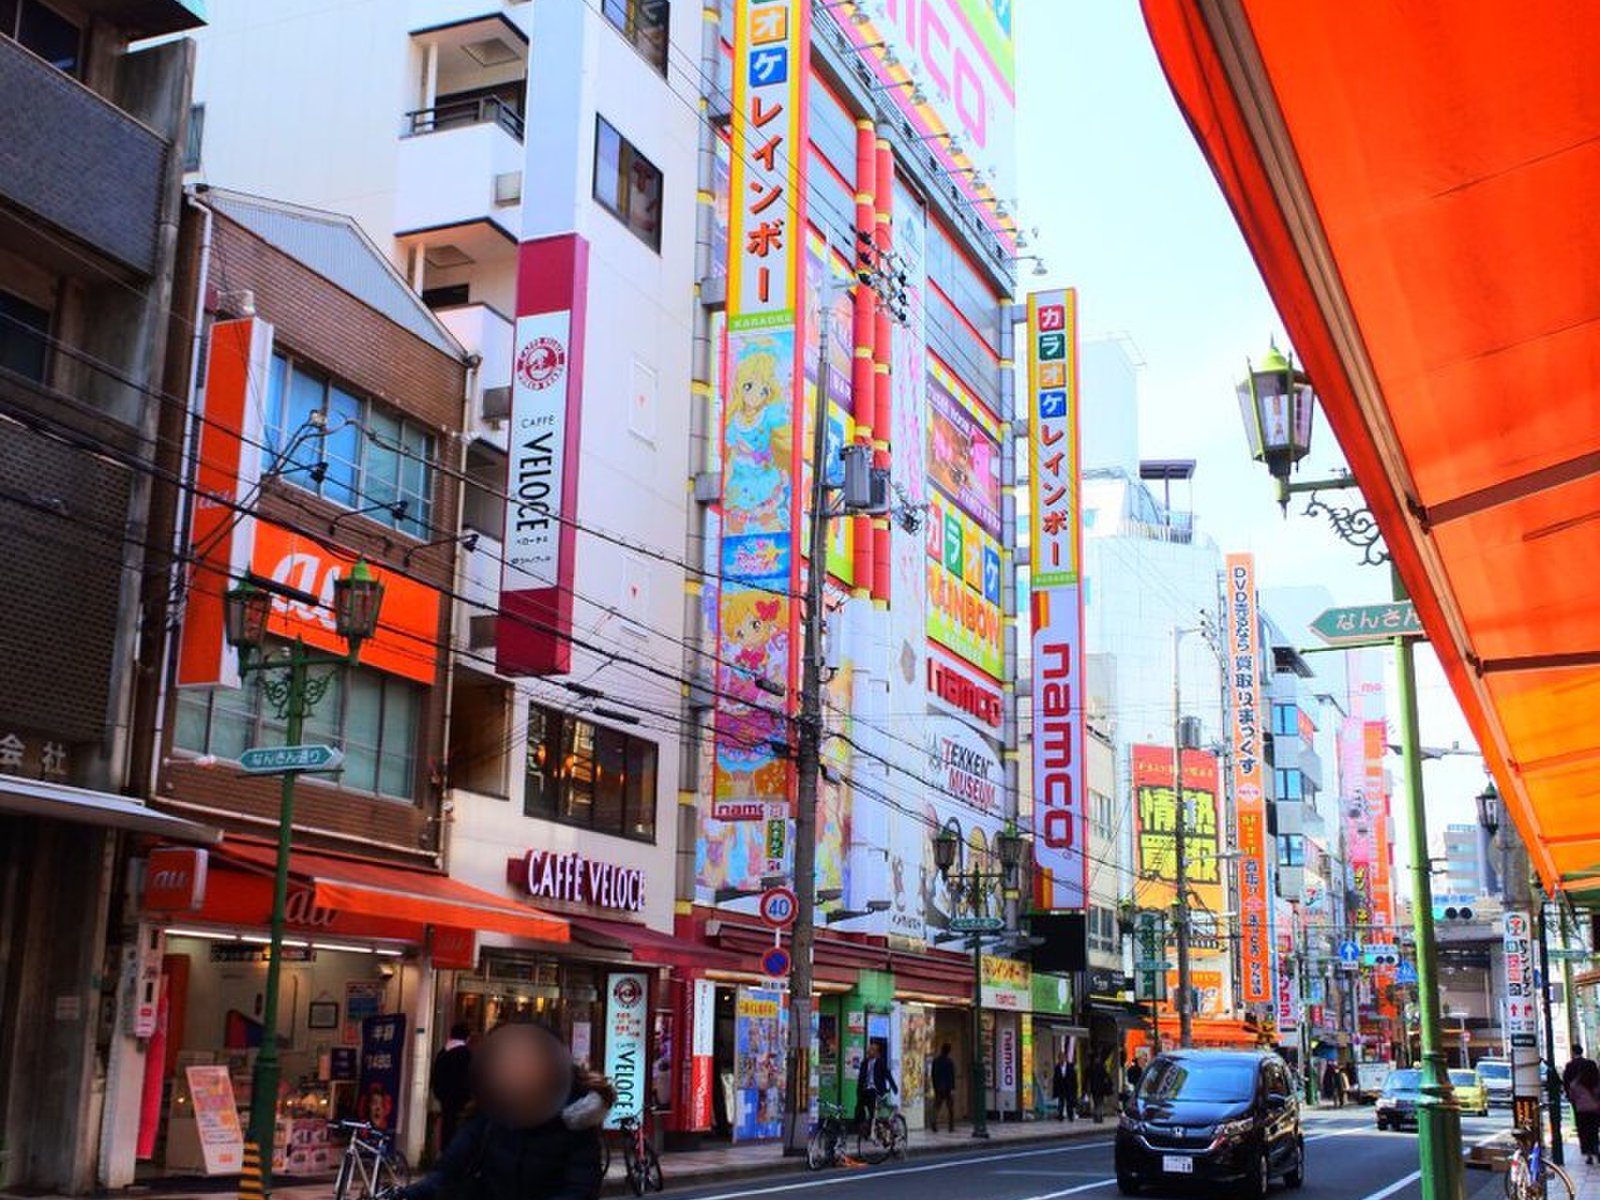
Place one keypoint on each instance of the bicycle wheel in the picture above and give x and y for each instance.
(899, 1136)
(1517, 1184)
(605, 1156)
(871, 1147)
(818, 1151)
(1557, 1183)
(341, 1183)
(389, 1173)
(633, 1168)
(653, 1178)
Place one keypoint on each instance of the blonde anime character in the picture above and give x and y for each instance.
(758, 439)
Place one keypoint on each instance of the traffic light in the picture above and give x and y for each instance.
(1386, 957)
(1458, 911)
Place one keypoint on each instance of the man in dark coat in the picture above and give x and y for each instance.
(943, 1074)
(873, 1082)
(451, 1083)
(1064, 1089)
(1099, 1087)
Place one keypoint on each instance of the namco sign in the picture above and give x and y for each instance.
(957, 690)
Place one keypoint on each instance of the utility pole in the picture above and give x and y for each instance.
(1180, 913)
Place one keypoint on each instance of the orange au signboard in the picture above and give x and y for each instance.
(1244, 693)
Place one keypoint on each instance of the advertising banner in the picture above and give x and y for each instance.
(1060, 828)
(383, 1060)
(534, 632)
(1522, 1024)
(1375, 747)
(963, 448)
(627, 1059)
(760, 1033)
(964, 587)
(1244, 686)
(1005, 984)
(216, 1118)
(702, 1047)
(966, 775)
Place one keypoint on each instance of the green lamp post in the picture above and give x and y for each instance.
(294, 692)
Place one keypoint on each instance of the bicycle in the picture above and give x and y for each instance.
(826, 1145)
(1529, 1173)
(641, 1165)
(885, 1137)
(374, 1159)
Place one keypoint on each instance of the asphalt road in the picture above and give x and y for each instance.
(1346, 1159)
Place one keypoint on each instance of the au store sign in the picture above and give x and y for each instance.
(575, 879)
(965, 767)
(964, 587)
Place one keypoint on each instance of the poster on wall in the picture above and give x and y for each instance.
(916, 1052)
(963, 448)
(760, 1031)
(627, 1007)
(383, 1057)
(1060, 828)
(362, 999)
(964, 578)
(216, 1117)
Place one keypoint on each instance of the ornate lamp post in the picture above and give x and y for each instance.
(971, 887)
(1277, 403)
(294, 693)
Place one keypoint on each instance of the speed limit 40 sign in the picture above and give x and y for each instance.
(779, 906)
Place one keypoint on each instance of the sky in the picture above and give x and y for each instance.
(1129, 214)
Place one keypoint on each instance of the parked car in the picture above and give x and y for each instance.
(1496, 1073)
(1471, 1094)
(1227, 1118)
(1397, 1103)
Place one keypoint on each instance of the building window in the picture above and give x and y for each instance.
(584, 774)
(1285, 720)
(1291, 850)
(24, 334)
(43, 30)
(367, 457)
(373, 716)
(447, 295)
(644, 23)
(1289, 784)
(627, 184)
(195, 138)
(484, 507)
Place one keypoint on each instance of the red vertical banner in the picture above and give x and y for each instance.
(1250, 804)
(534, 632)
(221, 537)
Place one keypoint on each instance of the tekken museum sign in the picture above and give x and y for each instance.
(545, 875)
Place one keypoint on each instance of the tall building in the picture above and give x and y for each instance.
(90, 171)
(1467, 868)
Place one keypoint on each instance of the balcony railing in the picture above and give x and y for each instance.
(458, 114)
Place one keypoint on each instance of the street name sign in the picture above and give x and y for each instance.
(1359, 624)
(977, 924)
(283, 760)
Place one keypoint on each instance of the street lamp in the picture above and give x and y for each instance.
(1277, 404)
(294, 693)
(973, 887)
(1489, 808)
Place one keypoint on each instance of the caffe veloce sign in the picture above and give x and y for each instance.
(575, 879)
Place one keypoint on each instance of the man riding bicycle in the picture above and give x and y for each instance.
(873, 1082)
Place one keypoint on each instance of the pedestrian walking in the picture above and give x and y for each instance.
(1339, 1089)
(943, 1075)
(1134, 1073)
(535, 1131)
(1099, 1088)
(1326, 1085)
(1583, 1092)
(451, 1083)
(1064, 1089)
(873, 1082)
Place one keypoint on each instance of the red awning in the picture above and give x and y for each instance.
(1418, 185)
(650, 946)
(401, 894)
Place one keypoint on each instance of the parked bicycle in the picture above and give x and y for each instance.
(372, 1166)
(1529, 1175)
(886, 1135)
(641, 1165)
(828, 1132)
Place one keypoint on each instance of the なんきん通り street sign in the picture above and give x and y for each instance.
(1357, 624)
(280, 760)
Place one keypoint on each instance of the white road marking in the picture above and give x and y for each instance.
(1317, 1137)
(831, 1181)
(1395, 1186)
(1073, 1191)
(1047, 1174)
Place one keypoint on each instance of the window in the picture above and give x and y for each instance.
(627, 184)
(644, 23)
(43, 30)
(484, 508)
(1291, 850)
(447, 295)
(1289, 784)
(24, 336)
(196, 137)
(386, 471)
(584, 774)
(1102, 929)
(480, 726)
(374, 717)
(1285, 720)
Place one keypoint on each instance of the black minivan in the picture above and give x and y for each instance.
(1225, 1117)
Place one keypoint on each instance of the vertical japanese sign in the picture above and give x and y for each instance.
(1375, 744)
(1522, 1025)
(216, 1118)
(1244, 687)
(383, 1060)
(758, 621)
(627, 1004)
(702, 1045)
(1058, 802)
(534, 631)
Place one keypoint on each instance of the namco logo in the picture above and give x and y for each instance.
(1053, 671)
(627, 992)
(541, 362)
(960, 691)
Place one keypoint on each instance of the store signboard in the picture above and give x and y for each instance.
(1522, 1025)
(572, 877)
(1060, 828)
(627, 1059)
(216, 1118)
(382, 1072)
(1005, 984)
(702, 1047)
(1052, 995)
(760, 1029)
(175, 879)
(1245, 701)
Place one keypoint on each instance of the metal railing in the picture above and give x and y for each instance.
(458, 114)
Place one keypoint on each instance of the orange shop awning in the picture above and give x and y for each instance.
(399, 894)
(1418, 185)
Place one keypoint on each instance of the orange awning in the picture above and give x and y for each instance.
(393, 892)
(1418, 185)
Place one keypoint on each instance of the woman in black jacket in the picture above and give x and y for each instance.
(536, 1132)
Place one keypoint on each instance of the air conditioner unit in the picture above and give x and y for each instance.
(496, 404)
(508, 188)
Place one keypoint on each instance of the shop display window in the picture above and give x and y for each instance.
(590, 775)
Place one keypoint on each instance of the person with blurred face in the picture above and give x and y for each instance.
(534, 1128)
